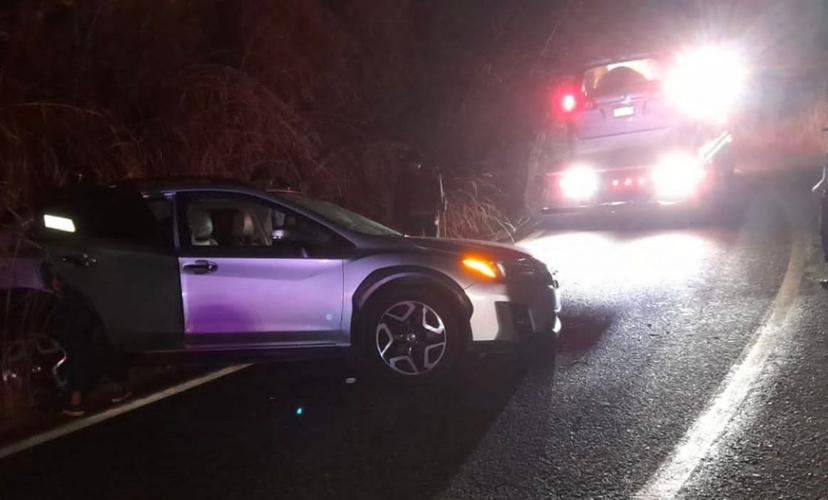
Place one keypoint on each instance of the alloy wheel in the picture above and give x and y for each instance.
(411, 338)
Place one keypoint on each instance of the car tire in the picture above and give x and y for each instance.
(411, 336)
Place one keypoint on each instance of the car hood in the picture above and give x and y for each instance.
(496, 251)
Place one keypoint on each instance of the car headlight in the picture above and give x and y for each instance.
(677, 176)
(484, 268)
(579, 182)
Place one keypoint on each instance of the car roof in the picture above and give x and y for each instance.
(157, 187)
(622, 57)
(162, 185)
(150, 187)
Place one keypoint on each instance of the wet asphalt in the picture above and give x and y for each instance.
(656, 313)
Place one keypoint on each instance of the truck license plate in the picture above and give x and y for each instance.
(623, 112)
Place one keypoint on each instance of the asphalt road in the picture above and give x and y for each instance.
(656, 316)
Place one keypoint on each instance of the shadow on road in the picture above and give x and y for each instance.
(281, 431)
(585, 330)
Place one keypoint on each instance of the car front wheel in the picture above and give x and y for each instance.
(412, 337)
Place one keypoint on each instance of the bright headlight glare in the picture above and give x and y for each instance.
(677, 175)
(579, 182)
(707, 82)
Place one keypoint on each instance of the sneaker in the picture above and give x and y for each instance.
(121, 396)
(73, 411)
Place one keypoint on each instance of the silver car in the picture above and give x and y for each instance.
(208, 267)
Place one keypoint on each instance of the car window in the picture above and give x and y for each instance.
(621, 77)
(117, 213)
(230, 224)
(342, 217)
(162, 210)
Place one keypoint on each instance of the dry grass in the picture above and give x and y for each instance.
(274, 92)
(475, 208)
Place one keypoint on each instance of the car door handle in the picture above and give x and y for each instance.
(201, 267)
(79, 260)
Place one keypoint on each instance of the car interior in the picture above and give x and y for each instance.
(612, 79)
(240, 224)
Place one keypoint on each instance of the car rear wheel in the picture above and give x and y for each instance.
(411, 337)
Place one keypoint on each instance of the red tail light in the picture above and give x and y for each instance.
(569, 103)
(566, 100)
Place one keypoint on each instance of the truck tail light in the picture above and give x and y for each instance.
(567, 99)
(569, 103)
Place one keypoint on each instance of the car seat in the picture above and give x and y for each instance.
(201, 229)
(243, 229)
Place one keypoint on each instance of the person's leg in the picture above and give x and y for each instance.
(67, 336)
(117, 370)
(112, 364)
(74, 376)
(81, 376)
(75, 331)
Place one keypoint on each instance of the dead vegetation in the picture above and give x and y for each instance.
(318, 95)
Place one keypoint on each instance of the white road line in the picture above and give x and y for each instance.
(97, 418)
(711, 424)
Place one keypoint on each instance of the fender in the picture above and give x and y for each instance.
(411, 275)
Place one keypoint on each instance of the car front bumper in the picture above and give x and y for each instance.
(513, 312)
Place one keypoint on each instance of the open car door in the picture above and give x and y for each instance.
(108, 245)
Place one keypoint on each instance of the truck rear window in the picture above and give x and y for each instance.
(623, 77)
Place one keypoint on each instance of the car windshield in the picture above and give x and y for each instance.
(341, 216)
(610, 79)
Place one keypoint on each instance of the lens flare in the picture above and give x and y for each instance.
(579, 182)
(677, 176)
(707, 83)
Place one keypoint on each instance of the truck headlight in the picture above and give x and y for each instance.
(579, 182)
(706, 83)
(677, 175)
